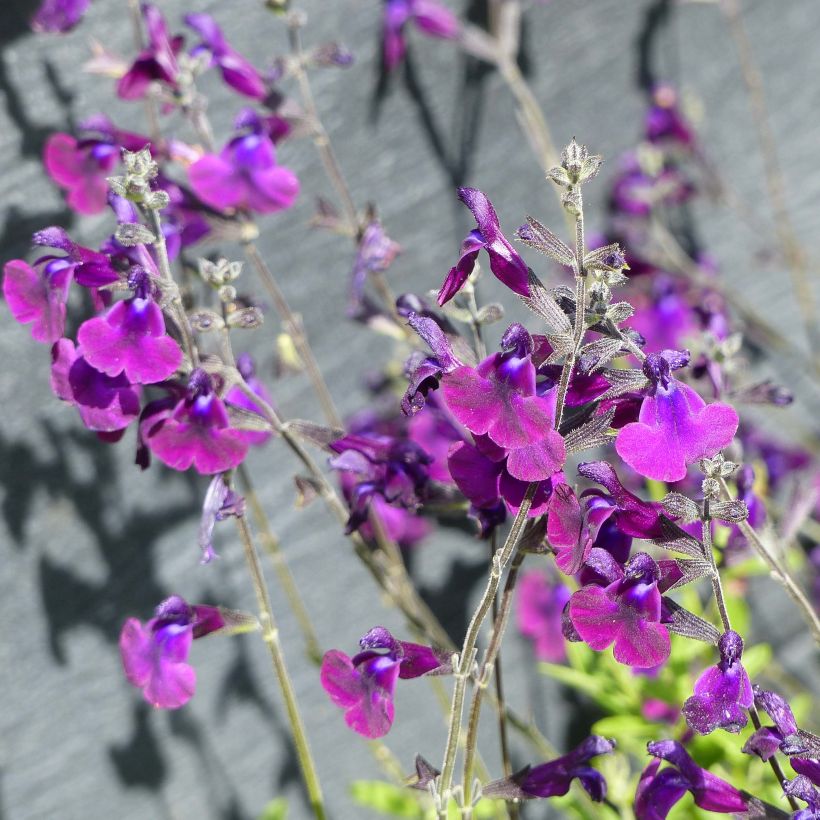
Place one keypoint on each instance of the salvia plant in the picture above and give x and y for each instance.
(602, 451)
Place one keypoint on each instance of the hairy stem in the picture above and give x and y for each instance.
(270, 634)
(779, 572)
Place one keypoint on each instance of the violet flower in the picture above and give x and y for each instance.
(429, 16)
(197, 432)
(675, 426)
(554, 778)
(375, 254)
(236, 71)
(131, 337)
(626, 612)
(220, 502)
(38, 297)
(658, 792)
(784, 736)
(498, 398)
(541, 603)
(804, 789)
(105, 404)
(385, 466)
(237, 397)
(245, 174)
(155, 654)
(155, 63)
(505, 262)
(722, 692)
(59, 16)
(82, 168)
(89, 268)
(364, 685)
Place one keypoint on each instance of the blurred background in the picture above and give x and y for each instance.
(87, 540)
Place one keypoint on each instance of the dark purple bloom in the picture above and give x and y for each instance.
(131, 337)
(220, 502)
(237, 397)
(540, 604)
(499, 399)
(89, 268)
(156, 63)
(637, 192)
(197, 432)
(391, 468)
(38, 297)
(554, 778)
(363, 685)
(428, 15)
(59, 16)
(803, 789)
(505, 262)
(626, 612)
(155, 654)
(722, 692)
(658, 792)
(675, 426)
(664, 120)
(104, 403)
(235, 69)
(784, 736)
(245, 175)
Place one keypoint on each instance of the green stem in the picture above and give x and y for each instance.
(270, 634)
(467, 656)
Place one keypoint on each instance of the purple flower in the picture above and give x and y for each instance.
(391, 468)
(626, 612)
(245, 175)
(505, 262)
(659, 791)
(104, 403)
(375, 254)
(540, 606)
(722, 692)
(82, 169)
(675, 426)
(236, 70)
(237, 397)
(664, 120)
(784, 736)
(89, 268)
(197, 432)
(220, 502)
(428, 15)
(154, 654)
(554, 778)
(59, 16)
(156, 63)
(38, 297)
(363, 685)
(499, 399)
(131, 337)
(803, 789)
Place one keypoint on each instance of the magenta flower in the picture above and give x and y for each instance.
(658, 792)
(541, 603)
(131, 337)
(428, 15)
(722, 692)
(59, 16)
(38, 297)
(505, 262)
(236, 71)
(155, 63)
(245, 175)
(364, 685)
(675, 426)
(105, 403)
(197, 432)
(499, 399)
(89, 268)
(554, 778)
(237, 397)
(154, 654)
(82, 169)
(626, 612)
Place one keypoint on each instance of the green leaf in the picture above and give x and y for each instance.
(275, 810)
(386, 799)
(757, 658)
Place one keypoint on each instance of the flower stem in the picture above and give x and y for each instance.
(779, 572)
(270, 634)
(467, 657)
